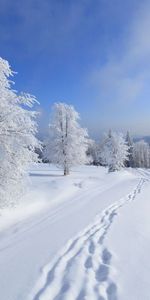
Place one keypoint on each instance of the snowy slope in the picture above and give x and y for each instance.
(72, 238)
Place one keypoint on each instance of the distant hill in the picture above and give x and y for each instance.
(145, 138)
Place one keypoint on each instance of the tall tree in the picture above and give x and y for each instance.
(141, 154)
(93, 153)
(17, 136)
(129, 142)
(109, 133)
(115, 152)
(67, 143)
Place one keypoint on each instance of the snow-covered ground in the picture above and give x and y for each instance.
(85, 236)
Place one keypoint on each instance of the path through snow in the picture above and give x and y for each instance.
(82, 269)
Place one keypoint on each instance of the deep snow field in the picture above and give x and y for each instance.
(81, 237)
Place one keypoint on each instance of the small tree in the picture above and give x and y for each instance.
(115, 152)
(67, 143)
(17, 137)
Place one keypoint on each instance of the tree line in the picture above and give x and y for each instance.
(68, 145)
(116, 151)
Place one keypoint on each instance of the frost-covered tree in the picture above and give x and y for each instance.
(93, 153)
(115, 151)
(17, 136)
(67, 143)
(109, 133)
(129, 142)
(141, 154)
(101, 148)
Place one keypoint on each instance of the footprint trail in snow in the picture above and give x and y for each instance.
(82, 270)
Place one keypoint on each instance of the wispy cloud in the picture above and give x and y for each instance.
(124, 77)
(39, 26)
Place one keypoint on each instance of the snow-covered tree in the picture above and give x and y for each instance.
(109, 133)
(115, 151)
(93, 153)
(141, 154)
(101, 148)
(129, 142)
(67, 143)
(17, 136)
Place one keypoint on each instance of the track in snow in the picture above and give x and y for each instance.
(81, 271)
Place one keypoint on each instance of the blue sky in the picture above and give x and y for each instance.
(94, 54)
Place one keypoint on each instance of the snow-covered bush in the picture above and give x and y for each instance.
(17, 136)
(115, 151)
(67, 143)
(141, 154)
